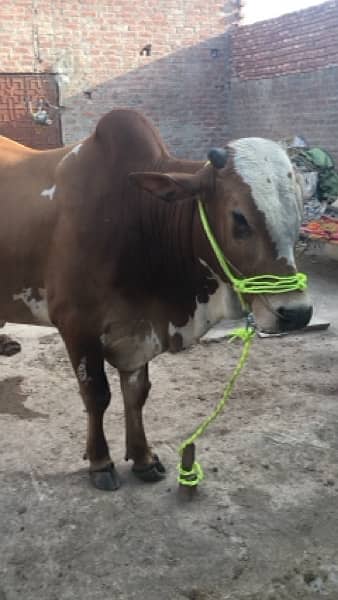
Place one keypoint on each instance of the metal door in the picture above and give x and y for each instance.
(21, 99)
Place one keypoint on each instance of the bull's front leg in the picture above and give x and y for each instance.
(86, 355)
(135, 388)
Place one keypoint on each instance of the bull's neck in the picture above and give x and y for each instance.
(173, 246)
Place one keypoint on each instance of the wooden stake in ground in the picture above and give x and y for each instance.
(187, 461)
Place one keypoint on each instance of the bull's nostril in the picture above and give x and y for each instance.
(294, 318)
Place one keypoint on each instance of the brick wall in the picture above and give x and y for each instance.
(305, 104)
(94, 48)
(285, 78)
(294, 43)
(284, 72)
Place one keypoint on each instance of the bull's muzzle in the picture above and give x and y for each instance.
(295, 317)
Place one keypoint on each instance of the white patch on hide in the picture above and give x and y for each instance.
(223, 304)
(76, 149)
(132, 350)
(133, 378)
(49, 193)
(72, 152)
(81, 370)
(38, 307)
(265, 167)
(152, 341)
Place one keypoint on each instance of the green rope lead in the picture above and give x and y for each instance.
(195, 475)
(260, 284)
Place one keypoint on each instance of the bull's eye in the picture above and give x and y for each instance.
(241, 227)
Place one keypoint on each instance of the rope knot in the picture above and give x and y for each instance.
(242, 333)
(302, 281)
(192, 477)
(240, 285)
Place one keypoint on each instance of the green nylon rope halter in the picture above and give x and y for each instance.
(260, 284)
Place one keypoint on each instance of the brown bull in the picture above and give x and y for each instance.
(104, 241)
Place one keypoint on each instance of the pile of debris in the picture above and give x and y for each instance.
(318, 178)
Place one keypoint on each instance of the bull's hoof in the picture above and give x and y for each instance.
(8, 347)
(106, 479)
(152, 472)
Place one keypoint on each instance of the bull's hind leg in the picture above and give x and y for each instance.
(135, 389)
(87, 359)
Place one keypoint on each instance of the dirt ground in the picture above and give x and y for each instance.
(264, 525)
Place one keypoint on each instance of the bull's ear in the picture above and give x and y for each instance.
(168, 186)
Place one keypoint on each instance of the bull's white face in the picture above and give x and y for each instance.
(266, 169)
(271, 213)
